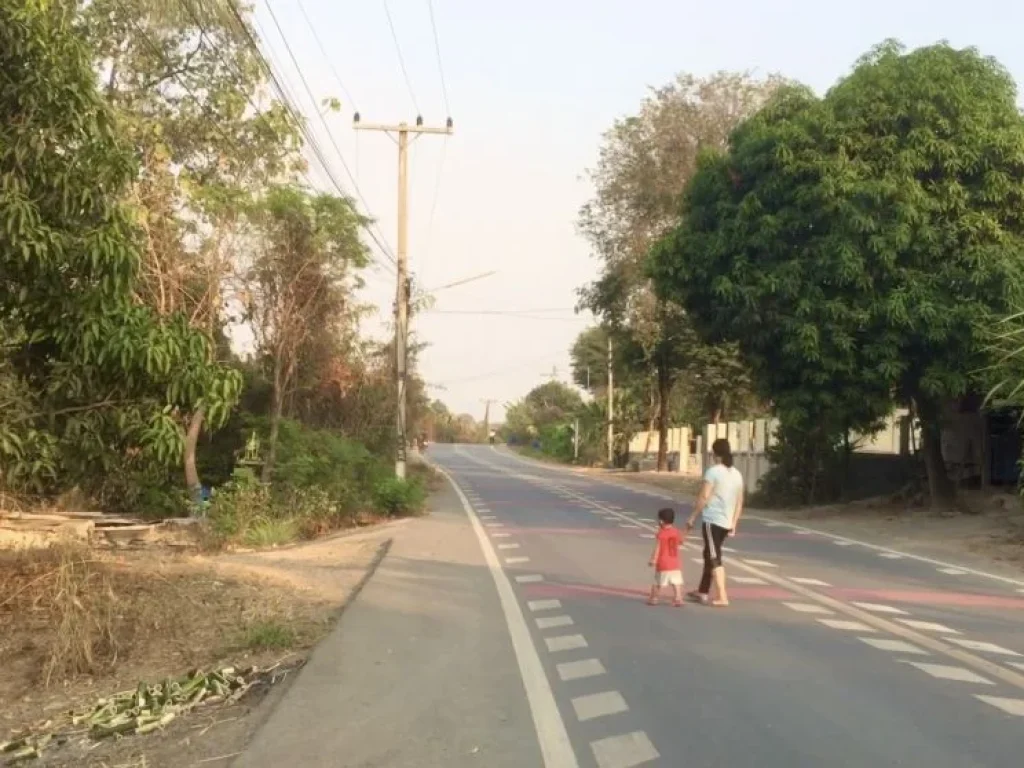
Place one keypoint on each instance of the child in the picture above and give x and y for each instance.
(665, 559)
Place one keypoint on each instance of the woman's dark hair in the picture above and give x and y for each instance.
(722, 450)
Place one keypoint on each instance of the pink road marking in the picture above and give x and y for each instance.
(565, 590)
(959, 599)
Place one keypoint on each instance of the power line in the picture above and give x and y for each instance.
(437, 50)
(401, 58)
(297, 115)
(330, 64)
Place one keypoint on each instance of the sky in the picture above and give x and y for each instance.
(531, 87)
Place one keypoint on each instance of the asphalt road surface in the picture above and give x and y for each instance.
(833, 653)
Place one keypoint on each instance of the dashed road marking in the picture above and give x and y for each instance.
(847, 624)
(625, 751)
(803, 533)
(565, 643)
(500, 535)
(878, 608)
(890, 555)
(770, 524)
(747, 580)
(729, 549)
(579, 670)
(550, 622)
(1016, 665)
(543, 605)
(627, 525)
(596, 705)
(516, 560)
(929, 626)
(842, 543)
(953, 571)
(646, 535)
(947, 672)
(895, 646)
(761, 563)
(981, 647)
(511, 545)
(1009, 706)
(529, 578)
(809, 608)
(494, 525)
(488, 517)
(809, 582)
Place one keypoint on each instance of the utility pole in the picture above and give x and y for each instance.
(611, 407)
(487, 418)
(403, 283)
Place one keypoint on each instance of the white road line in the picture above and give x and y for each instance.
(552, 737)
(488, 517)
(895, 646)
(646, 535)
(544, 605)
(946, 672)
(729, 549)
(500, 535)
(890, 556)
(809, 582)
(847, 624)
(842, 543)
(550, 622)
(516, 560)
(878, 608)
(596, 705)
(981, 647)
(747, 580)
(929, 626)
(627, 525)
(761, 563)
(529, 578)
(953, 571)
(511, 545)
(625, 751)
(579, 670)
(809, 608)
(494, 525)
(803, 533)
(1017, 665)
(1009, 706)
(770, 524)
(565, 643)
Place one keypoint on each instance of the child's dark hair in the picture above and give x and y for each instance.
(722, 450)
(667, 515)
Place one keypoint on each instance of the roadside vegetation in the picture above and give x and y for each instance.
(822, 259)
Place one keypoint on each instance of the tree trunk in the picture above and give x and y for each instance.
(192, 481)
(664, 393)
(941, 490)
(653, 414)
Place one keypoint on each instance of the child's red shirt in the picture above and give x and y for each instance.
(669, 539)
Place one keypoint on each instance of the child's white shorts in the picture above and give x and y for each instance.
(669, 578)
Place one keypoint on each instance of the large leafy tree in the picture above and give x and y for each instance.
(645, 163)
(104, 374)
(853, 244)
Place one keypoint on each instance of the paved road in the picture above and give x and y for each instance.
(834, 653)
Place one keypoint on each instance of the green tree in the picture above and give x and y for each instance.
(852, 245)
(107, 376)
(645, 163)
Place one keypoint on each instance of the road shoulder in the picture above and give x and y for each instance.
(419, 671)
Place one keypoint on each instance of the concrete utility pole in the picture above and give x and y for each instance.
(403, 284)
(487, 418)
(611, 407)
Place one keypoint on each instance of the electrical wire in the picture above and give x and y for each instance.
(437, 50)
(287, 101)
(330, 64)
(401, 58)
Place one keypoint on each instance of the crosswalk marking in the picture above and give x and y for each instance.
(895, 646)
(982, 647)
(543, 605)
(846, 624)
(1010, 706)
(809, 582)
(809, 608)
(565, 643)
(878, 608)
(550, 622)
(929, 626)
(579, 670)
(625, 751)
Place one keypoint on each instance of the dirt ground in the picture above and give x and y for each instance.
(161, 615)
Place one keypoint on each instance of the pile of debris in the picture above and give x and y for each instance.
(146, 709)
(34, 529)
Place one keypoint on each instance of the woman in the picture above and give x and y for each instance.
(720, 506)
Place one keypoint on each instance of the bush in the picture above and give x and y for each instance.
(399, 498)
